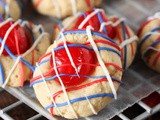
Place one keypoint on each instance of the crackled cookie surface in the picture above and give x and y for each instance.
(79, 74)
(114, 27)
(22, 43)
(64, 8)
(9, 8)
(150, 42)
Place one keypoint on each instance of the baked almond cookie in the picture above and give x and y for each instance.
(22, 43)
(114, 27)
(10, 8)
(64, 8)
(79, 74)
(150, 42)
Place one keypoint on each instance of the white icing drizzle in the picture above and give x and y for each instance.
(89, 17)
(63, 87)
(111, 23)
(10, 72)
(69, 54)
(56, 8)
(5, 22)
(91, 106)
(89, 34)
(6, 35)
(156, 15)
(74, 8)
(128, 41)
(152, 48)
(68, 24)
(48, 90)
(35, 44)
(25, 23)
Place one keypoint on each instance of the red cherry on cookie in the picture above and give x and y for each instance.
(95, 22)
(80, 55)
(17, 41)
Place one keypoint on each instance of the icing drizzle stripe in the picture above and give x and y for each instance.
(1, 74)
(63, 87)
(60, 75)
(83, 86)
(125, 47)
(44, 81)
(81, 99)
(89, 34)
(83, 31)
(147, 36)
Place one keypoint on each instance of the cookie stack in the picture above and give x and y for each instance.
(80, 72)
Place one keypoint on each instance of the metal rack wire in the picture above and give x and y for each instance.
(139, 81)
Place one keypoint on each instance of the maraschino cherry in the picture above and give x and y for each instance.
(95, 23)
(17, 39)
(80, 56)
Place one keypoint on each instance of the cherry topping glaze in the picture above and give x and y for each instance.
(95, 23)
(17, 39)
(80, 55)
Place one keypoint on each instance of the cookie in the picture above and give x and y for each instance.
(114, 27)
(150, 42)
(64, 8)
(79, 74)
(10, 8)
(22, 43)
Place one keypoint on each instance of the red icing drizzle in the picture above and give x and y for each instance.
(92, 65)
(156, 58)
(76, 88)
(21, 64)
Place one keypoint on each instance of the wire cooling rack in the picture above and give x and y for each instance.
(138, 97)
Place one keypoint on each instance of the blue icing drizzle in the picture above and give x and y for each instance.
(84, 14)
(152, 45)
(61, 25)
(3, 4)
(28, 28)
(125, 47)
(1, 17)
(83, 46)
(73, 75)
(84, 32)
(81, 99)
(15, 57)
(86, 47)
(101, 21)
(147, 36)
(1, 74)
